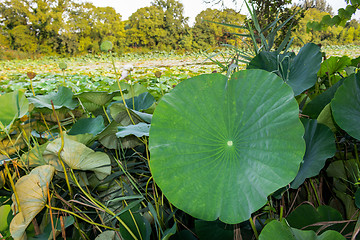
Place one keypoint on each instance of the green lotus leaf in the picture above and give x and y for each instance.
(325, 117)
(12, 106)
(139, 130)
(5, 218)
(281, 231)
(137, 224)
(333, 65)
(94, 100)
(305, 215)
(346, 106)
(320, 145)
(219, 148)
(299, 71)
(61, 99)
(109, 139)
(119, 113)
(141, 102)
(32, 195)
(78, 156)
(317, 104)
(88, 125)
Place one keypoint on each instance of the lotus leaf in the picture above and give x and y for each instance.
(141, 102)
(281, 231)
(88, 125)
(317, 104)
(320, 145)
(299, 71)
(5, 218)
(219, 148)
(61, 99)
(12, 106)
(325, 117)
(94, 100)
(118, 113)
(305, 215)
(32, 195)
(139, 130)
(333, 65)
(78, 156)
(346, 106)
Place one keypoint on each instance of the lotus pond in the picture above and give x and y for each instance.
(169, 147)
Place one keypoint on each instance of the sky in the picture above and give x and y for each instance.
(191, 7)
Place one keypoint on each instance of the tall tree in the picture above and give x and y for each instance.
(43, 19)
(92, 25)
(174, 21)
(145, 28)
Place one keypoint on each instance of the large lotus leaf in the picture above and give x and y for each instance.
(141, 102)
(346, 106)
(320, 145)
(317, 104)
(78, 156)
(306, 215)
(333, 65)
(12, 106)
(219, 148)
(94, 100)
(300, 72)
(88, 125)
(61, 99)
(32, 195)
(281, 231)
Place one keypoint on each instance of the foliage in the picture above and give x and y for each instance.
(344, 15)
(248, 148)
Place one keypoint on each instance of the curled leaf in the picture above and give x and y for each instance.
(31, 190)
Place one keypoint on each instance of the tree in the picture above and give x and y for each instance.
(42, 19)
(208, 34)
(174, 21)
(92, 25)
(145, 28)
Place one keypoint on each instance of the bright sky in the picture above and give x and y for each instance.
(191, 7)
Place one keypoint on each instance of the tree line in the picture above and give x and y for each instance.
(69, 27)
